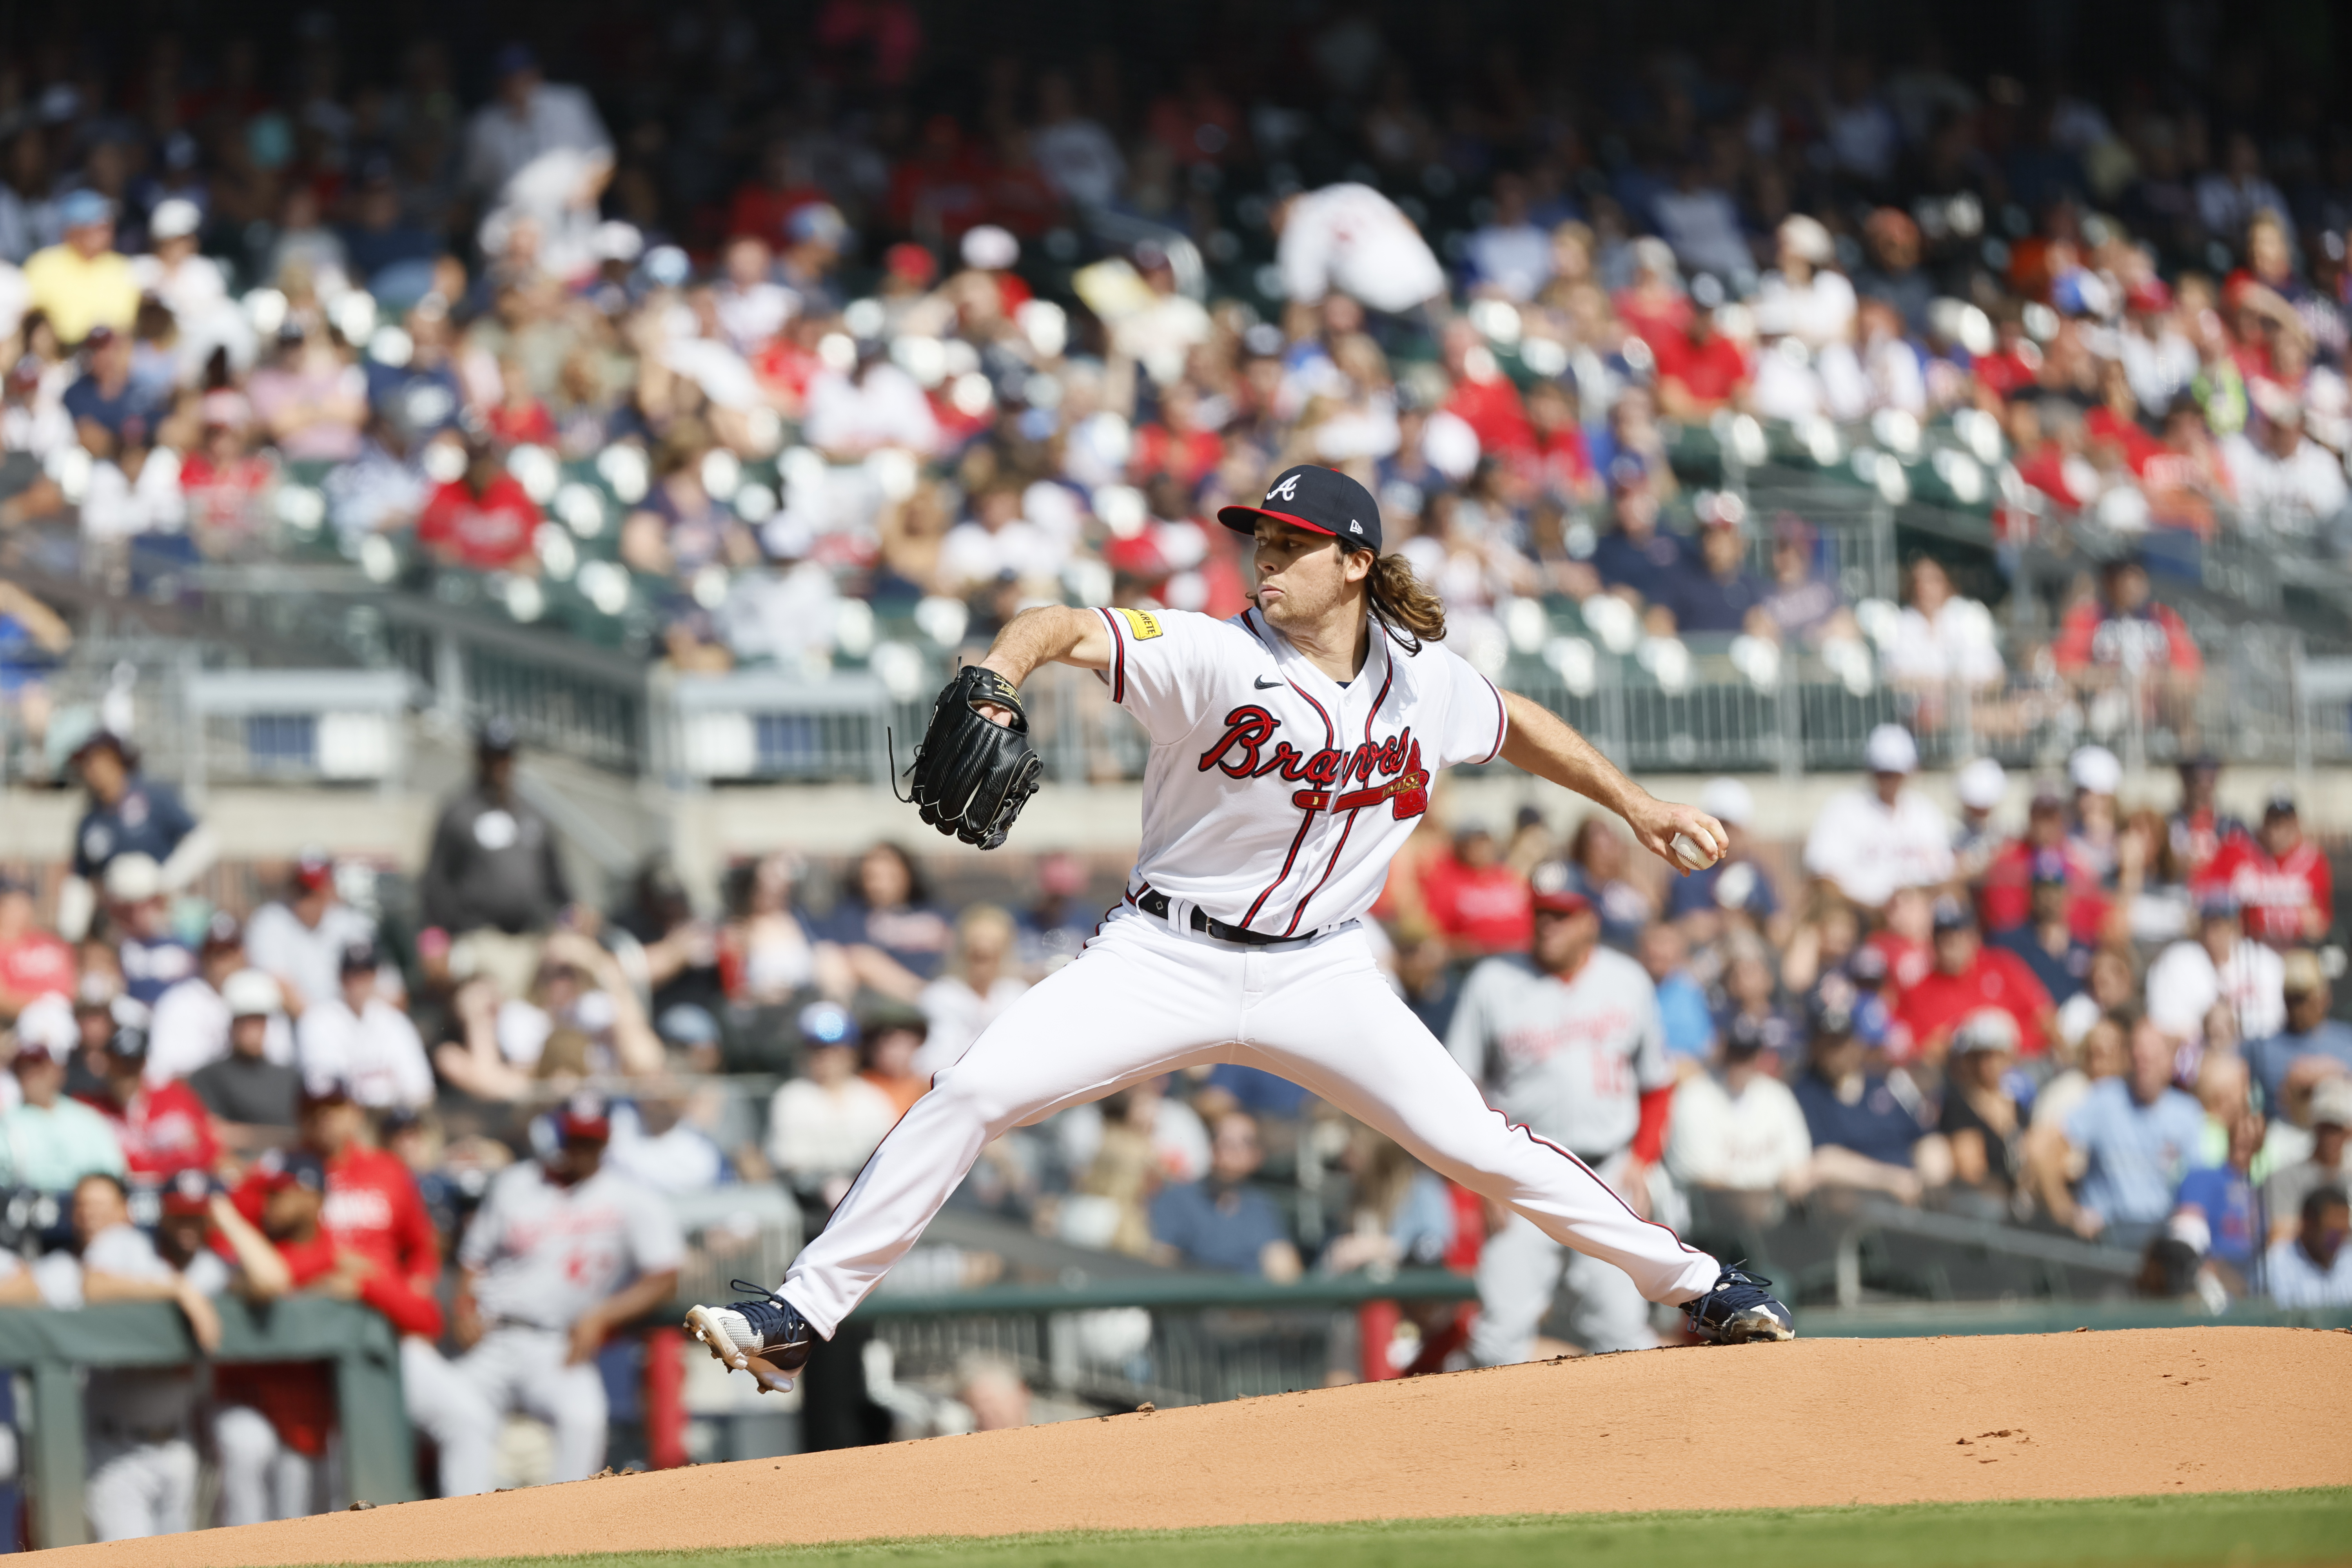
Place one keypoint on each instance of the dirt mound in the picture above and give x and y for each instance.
(1814, 1422)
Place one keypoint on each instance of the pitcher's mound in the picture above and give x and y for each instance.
(1808, 1422)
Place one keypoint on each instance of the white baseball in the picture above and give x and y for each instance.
(1690, 854)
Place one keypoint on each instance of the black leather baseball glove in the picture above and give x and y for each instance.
(973, 775)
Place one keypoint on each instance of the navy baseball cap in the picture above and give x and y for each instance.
(1321, 500)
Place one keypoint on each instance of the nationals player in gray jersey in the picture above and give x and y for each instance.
(1292, 751)
(1567, 1043)
(561, 1251)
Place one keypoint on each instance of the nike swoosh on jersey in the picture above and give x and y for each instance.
(1262, 684)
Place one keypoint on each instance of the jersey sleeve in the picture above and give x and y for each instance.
(1161, 666)
(1472, 723)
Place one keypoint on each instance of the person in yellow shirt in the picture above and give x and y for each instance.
(83, 282)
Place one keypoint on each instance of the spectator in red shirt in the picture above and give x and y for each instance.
(2280, 880)
(163, 1128)
(2005, 898)
(1176, 444)
(1968, 976)
(1484, 397)
(519, 418)
(764, 206)
(33, 962)
(2200, 828)
(2123, 636)
(1562, 459)
(1475, 900)
(482, 519)
(1699, 369)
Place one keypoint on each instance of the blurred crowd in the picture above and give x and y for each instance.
(1020, 347)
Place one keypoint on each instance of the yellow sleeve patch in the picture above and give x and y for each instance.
(1142, 623)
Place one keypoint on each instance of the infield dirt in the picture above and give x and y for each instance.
(1808, 1422)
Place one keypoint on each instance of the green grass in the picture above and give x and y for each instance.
(2228, 1529)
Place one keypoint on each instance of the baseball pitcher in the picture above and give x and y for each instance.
(1293, 748)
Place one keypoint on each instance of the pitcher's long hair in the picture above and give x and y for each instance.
(1401, 602)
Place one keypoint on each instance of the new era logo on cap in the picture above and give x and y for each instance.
(1323, 500)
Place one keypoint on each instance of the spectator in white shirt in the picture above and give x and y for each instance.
(2286, 480)
(191, 1025)
(998, 545)
(2219, 965)
(1740, 1128)
(301, 939)
(982, 982)
(1077, 155)
(360, 1039)
(1870, 842)
(2314, 1267)
(1351, 238)
(752, 307)
(1942, 639)
(530, 118)
(873, 406)
(823, 1124)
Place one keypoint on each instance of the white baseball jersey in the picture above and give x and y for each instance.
(1568, 1059)
(1275, 797)
(546, 1253)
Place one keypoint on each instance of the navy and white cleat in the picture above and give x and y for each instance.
(1738, 1309)
(767, 1338)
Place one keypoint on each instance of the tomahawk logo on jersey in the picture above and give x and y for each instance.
(1239, 720)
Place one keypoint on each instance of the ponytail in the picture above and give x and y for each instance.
(1403, 603)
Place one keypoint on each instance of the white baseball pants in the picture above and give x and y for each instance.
(138, 1489)
(260, 1477)
(1519, 1269)
(1148, 997)
(451, 1409)
(522, 1369)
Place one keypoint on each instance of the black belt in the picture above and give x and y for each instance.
(1156, 903)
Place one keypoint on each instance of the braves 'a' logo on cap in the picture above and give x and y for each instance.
(1287, 489)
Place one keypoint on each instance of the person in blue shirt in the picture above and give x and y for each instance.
(1689, 1027)
(2225, 1199)
(1634, 555)
(1714, 593)
(2046, 942)
(1866, 1130)
(1222, 1221)
(127, 814)
(2141, 1137)
(2309, 1031)
(111, 408)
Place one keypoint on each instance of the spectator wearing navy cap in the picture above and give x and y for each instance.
(1739, 1128)
(1866, 1129)
(2218, 965)
(530, 118)
(1634, 559)
(2313, 1268)
(128, 814)
(359, 1037)
(2047, 943)
(494, 877)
